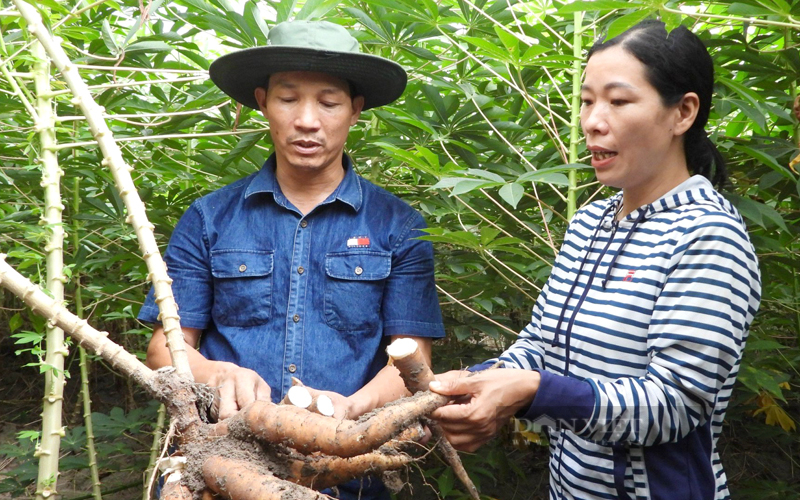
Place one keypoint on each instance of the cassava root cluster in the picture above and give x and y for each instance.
(268, 451)
(265, 451)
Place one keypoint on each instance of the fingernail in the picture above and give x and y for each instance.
(435, 385)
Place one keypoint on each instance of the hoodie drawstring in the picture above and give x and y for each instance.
(571, 322)
(580, 270)
(638, 221)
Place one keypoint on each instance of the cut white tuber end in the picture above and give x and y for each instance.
(401, 348)
(324, 405)
(299, 396)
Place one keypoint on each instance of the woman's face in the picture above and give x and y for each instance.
(635, 141)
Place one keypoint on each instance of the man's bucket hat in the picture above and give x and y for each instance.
(318, 46)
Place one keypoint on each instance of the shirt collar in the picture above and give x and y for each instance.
(348, 191)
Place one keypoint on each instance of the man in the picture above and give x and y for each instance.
(303, 269)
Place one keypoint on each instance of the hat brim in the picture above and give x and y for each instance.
(238, 74)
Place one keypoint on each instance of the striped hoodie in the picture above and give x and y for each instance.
(638, 335)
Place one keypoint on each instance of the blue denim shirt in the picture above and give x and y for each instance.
(314, 296)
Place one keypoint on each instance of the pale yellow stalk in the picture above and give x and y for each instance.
(52, 431)
(80, 331)
(84, 358)
(575, 118)
(127, 190)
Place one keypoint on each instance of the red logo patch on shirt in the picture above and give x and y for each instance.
(358, 242)
(629, 276)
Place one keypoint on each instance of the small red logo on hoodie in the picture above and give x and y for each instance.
(629, 276)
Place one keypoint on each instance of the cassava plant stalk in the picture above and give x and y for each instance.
(575, 117)
(56, 350)
(112, 158)
(86, 336)
(87, 422)
(405, 355)
(155, 448)
(84, 363)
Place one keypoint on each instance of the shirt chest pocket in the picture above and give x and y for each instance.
(354, 285)
(242, 286)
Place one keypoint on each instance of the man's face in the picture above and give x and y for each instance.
(309, 117)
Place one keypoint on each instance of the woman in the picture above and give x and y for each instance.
(635, 341)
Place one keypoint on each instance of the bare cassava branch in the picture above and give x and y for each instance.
(93, 340)
(127, 190)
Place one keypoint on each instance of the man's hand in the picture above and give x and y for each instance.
(484, 403)
(236, 387)
(343, 407)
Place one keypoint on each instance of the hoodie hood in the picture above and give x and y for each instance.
(694, 190)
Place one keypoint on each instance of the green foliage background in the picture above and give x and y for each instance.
(479, 143)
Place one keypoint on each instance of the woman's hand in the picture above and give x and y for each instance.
(483, 403)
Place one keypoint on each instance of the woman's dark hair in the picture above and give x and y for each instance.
(677, 63)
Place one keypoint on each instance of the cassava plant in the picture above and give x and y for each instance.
(265, 450)
(56, 350)
(86, 398)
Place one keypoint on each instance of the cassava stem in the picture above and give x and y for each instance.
(84, 358)
(152, 465)
(48, 448)
(405, 355)
(112, 158)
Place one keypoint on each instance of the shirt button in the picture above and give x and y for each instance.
(242, 268)
(296, 318)
(301, 270)
(292, 368)
(359, 270)
(303, 223)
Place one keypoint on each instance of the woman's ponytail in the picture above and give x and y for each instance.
(703, 157)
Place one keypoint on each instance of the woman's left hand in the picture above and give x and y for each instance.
(488, 400)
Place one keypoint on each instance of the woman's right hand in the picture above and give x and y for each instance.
(482, 403)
